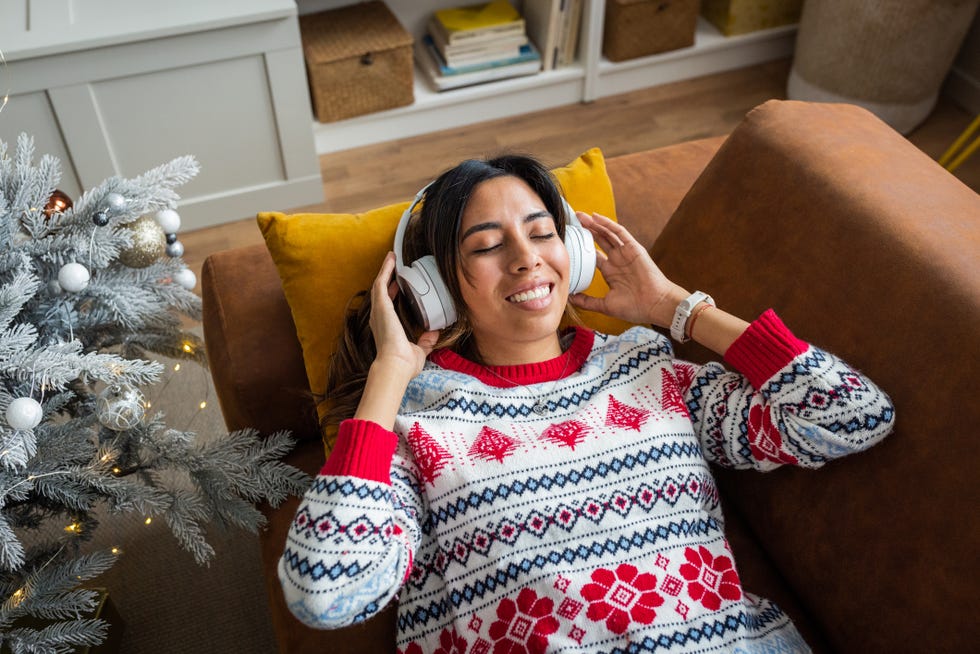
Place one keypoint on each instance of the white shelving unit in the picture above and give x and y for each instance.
(593, 77)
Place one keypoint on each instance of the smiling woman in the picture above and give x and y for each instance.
(442, 486)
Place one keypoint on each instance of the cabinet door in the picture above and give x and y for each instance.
(31, 113)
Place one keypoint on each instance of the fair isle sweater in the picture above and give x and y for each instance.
(593, 527)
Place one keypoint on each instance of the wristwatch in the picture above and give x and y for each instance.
(678, 328)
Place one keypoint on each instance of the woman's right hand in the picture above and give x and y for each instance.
(394, 349)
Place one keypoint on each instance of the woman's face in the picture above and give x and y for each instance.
(513, 272)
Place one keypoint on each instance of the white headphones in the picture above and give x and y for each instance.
(427, 292)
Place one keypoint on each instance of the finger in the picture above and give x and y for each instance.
(617, 230)
(600, 236)
(605, 232)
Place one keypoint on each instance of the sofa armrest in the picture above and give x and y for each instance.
(867, 248)
(253, 352)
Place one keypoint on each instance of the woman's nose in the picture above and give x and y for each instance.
(525, 257)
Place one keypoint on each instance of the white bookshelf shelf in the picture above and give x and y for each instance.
(591, 78)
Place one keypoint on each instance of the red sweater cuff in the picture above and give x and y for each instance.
(764, 349)
(363, 449)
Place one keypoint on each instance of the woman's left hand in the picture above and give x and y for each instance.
(638, 291)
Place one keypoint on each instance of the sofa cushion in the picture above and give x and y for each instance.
(324, 259)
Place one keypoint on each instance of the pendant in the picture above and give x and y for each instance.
(540, 408)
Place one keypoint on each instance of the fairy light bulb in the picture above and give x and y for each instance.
(148, 521)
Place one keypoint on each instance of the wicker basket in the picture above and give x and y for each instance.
(636, 28)
(741, 16)
(358, 60)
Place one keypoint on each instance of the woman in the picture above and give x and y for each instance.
(523, 487)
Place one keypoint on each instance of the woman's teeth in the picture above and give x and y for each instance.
(533, 294)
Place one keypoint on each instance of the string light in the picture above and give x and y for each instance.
(202, 405)
(18, 597)
(148, 521)
(74, 528)
(116, 551)
(188, 347)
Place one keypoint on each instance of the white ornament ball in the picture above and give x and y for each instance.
(24, 413)
(116, 201)
(73, 277)
(120, 407)
(185, 277)
(169, 220)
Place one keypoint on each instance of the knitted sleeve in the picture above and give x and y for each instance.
(351, 544)
(789, 402)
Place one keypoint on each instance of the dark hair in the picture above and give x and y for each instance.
(434, 229)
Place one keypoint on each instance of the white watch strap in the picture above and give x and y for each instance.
(678, 328)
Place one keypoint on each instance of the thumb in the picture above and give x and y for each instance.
(587, 302)
(427, 341)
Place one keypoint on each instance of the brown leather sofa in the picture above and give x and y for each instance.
(864, 246)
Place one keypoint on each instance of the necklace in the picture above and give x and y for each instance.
(540, 406)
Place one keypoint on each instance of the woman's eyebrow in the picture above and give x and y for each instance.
(482, 227)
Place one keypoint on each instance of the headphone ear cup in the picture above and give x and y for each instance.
(436, 304)
(581, 257)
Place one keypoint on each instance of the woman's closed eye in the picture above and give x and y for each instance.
(535, 237)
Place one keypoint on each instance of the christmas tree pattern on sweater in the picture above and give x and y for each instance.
(594, 528)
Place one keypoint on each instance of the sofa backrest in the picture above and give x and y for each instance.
(869, 249)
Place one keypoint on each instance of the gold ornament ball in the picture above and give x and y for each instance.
(149, 243)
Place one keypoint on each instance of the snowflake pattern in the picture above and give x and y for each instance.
(622, 596)
(523, 626)
(710, 578)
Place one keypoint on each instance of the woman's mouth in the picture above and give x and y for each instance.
(535, 293)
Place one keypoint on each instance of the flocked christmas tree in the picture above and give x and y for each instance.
(89, 291)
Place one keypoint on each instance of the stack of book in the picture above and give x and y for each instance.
(474, 44)
(553, 26)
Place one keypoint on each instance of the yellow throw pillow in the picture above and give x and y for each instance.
(324, 259)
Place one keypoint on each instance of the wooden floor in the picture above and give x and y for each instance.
(375, 175)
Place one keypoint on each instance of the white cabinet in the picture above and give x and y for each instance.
(592, 76)
(115, 87)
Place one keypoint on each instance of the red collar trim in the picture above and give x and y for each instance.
(523, 374)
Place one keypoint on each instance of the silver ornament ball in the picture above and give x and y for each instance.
(24, 413)
(120, 407)
(116, 201)
(175, 249)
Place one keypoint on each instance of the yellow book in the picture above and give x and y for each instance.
(485, 20)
